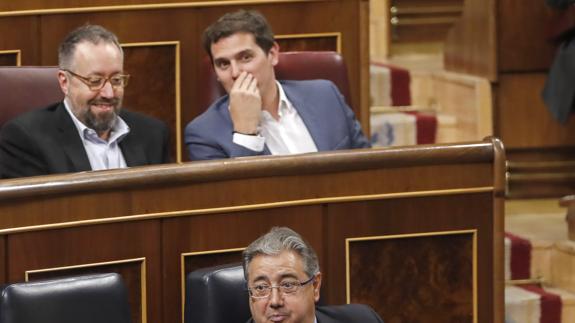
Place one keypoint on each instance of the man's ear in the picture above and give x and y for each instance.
(316, 287)
(63, 81)
(274, 53)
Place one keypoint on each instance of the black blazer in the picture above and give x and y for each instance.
(352, 313)
(46, 141)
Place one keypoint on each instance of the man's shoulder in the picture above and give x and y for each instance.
(131, 117)
(214, 115)
(346, 313)
(306, 84)
(37, 117)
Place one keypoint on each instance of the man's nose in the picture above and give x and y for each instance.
(107, 90)
(276, 298)
(236, 71)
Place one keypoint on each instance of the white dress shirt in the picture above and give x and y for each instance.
(288, 135)
(101, 153)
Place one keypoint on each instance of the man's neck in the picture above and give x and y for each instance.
(104, 135)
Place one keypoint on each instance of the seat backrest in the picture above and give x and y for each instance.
(25, 88)
(217, 295)
(87, 299)
(291, 66)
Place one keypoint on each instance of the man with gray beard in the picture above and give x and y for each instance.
(89, 130)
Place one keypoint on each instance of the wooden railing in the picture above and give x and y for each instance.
(368, 213)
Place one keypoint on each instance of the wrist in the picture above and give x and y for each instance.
(255, 133)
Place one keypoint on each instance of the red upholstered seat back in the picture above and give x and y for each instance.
(292, 66)
(25, 88)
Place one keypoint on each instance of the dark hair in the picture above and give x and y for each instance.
(282, 239)
(87, 33)
(251, 22)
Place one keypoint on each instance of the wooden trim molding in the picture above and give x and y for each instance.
(337, 36)
(18, 53)
(265, 166)
(249, 207)
(154, 6)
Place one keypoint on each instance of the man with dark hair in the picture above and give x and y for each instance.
(89, 130)
(261, 115)
(284, 280)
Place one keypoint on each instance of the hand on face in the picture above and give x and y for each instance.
(245, 104)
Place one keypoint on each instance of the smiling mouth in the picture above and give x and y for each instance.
(104, 107)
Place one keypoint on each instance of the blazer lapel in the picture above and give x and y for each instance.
(133, 148)
(71, 142)
(133, 151)
(312, 121)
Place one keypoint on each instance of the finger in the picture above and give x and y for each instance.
(253, 86)
(238, 83)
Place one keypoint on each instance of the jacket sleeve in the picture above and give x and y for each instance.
(356, 136)
(19, 155)
(202, 144)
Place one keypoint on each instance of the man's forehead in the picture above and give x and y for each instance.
(287, 263)
(234, 44)
(89, 56)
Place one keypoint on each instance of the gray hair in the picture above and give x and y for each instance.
(282, 239)
(87, 33)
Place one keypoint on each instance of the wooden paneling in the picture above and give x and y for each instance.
(180, 217)
(317, 42)
(405, 216)
(471, 44)
(3, 278)
(21, 33)
(522, 44)
(523, 119)
(436, 271)
(89, 247)
(154, 91)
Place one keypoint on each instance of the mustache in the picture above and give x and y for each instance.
(98, 101)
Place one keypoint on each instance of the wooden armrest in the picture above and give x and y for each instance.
(567, 201)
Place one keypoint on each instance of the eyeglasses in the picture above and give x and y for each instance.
(285, 287)
(96, 83)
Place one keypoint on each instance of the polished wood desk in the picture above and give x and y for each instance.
(416, 232)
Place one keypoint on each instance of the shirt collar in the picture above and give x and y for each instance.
(119, 130)
(284, 105)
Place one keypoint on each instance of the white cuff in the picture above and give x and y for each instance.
(255, 143)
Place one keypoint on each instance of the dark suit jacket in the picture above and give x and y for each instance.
(46, 141)
(330, 122)
(352, 313)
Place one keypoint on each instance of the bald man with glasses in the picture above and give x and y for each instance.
(284, 280)
(89, 130)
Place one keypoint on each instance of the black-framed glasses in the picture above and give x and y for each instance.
(286, 287)
(96, 83)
